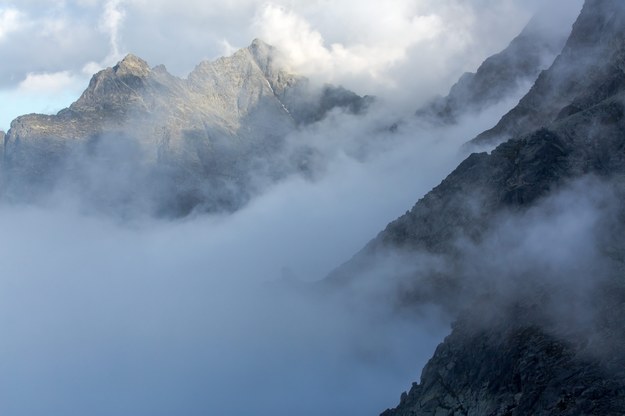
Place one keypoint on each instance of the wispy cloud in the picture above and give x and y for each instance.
(111, 22)
(47, 82)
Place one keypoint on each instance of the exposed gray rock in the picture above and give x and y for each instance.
(514, 371)
(171, 144)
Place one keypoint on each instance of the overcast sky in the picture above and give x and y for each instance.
(49, 50)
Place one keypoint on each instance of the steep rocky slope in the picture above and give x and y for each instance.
(524, 246)
(522, 370)
(502, 74)
(588, 70)
(168, 144)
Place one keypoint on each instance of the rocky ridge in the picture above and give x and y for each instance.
(523, 371)
(191, 143)
(534, 334)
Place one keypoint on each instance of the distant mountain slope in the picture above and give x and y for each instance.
(502, 74)
(521, 172)
(539, 310)
(588, 70)
(181, 144)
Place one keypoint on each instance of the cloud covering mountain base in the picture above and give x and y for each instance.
(107, 315)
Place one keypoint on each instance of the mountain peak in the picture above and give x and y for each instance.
(263, 54)
(259, 43)
(132, 65)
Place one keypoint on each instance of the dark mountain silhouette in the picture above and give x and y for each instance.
(538, 324)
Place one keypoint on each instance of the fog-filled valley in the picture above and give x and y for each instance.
(151, 315)
(302, 226)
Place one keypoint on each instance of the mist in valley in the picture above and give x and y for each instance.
(221, 313)
(216, 313)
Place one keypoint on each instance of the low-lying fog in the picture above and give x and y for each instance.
(104, 316)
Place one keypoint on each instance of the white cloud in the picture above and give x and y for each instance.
(369, 46)
(306, 50)
(45, 83)
(111, 23)
(169, 317)
(41, 92)
(11, 20)
(401, 50)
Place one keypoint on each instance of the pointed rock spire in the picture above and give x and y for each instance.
(132, 65)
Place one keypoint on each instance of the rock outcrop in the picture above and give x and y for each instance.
(514, 371)
(183, 144)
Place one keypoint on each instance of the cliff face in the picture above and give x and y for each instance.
(510, 371)
(190, 143)
(520, 173)
(512, 354)
(539, 310)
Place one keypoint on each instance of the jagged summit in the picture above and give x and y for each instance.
(261, 50)
(259, 43)
(132, 65)
(266, 57)
(198, 136)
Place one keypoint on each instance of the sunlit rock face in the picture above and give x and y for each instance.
(171, 145)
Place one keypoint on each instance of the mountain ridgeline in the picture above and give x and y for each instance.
(586, 72)
(502, 74)
(140, 139)
(524, 247)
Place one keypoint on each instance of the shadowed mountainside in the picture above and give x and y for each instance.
(524, 246)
